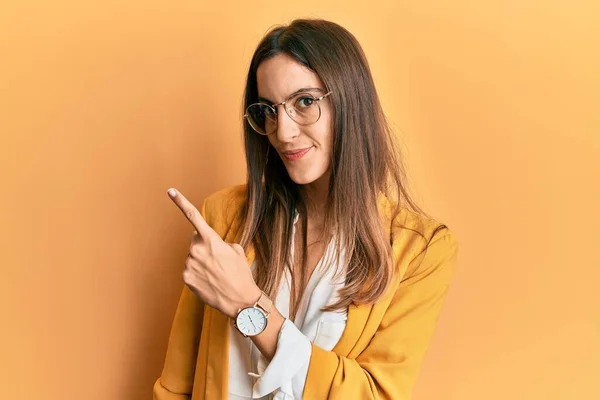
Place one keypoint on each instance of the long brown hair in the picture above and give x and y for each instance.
(365, 165)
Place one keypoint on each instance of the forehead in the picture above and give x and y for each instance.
(281, 75)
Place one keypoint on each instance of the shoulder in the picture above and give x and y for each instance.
(223, 208)
(413, 235)
(227, 198)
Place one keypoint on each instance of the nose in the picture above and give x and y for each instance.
(287, 128)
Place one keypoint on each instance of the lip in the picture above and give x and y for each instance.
(296, 154)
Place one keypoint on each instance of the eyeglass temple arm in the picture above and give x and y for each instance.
(322, 97)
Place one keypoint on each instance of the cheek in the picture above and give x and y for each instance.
(326, 131)
(324, 137)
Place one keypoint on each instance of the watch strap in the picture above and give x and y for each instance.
(265, 303)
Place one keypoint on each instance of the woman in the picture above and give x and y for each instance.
(350, 314)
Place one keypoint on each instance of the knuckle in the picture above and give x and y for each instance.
(197, 251)
(191, 214)
(186, 276)
(196, 248)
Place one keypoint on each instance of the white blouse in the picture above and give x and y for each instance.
(251, 376)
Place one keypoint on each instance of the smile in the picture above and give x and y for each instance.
(296, 154)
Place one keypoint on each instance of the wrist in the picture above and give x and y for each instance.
(267, 340)
(249, 299)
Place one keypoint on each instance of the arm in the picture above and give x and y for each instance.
(177, 379)
(266, 341)
(388, 367)
(284, 374)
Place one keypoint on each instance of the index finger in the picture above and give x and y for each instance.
(191, 213)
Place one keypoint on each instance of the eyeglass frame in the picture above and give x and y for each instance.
(275, 105)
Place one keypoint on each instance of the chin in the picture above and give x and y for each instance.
(305, 178)
(302, 179)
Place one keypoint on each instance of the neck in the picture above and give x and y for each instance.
(315, 196)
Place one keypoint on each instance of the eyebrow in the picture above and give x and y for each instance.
(308, 89)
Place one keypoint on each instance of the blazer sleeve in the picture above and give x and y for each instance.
(177, 379)
(387, 368)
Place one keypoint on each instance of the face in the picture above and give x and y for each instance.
(304, 149)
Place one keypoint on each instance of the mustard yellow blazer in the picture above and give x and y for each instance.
(381, 348)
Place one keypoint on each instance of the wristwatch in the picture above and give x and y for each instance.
(251, 321)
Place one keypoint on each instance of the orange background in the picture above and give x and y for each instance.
(104, 106)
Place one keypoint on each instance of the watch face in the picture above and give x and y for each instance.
(251, 321)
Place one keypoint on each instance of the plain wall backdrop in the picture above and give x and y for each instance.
(105, 105)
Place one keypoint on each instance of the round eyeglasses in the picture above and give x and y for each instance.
(302, 107)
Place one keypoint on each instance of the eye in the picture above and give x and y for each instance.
(269, 112)
(304, 102)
